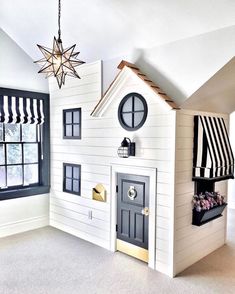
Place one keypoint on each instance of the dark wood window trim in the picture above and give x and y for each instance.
(72, 178)
(44, 178)
(133, 126)
(72, 123)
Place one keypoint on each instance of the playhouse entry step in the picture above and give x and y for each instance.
(132, 250)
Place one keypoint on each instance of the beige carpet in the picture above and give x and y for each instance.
(48, 261)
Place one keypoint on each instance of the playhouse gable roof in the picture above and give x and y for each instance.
(127, 69)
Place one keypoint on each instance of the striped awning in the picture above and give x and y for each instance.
(213, 156)
(21, 110)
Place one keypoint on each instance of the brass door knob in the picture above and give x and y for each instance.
(145, 211)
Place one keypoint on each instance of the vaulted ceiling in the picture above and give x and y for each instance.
(217, 94)
(104, 29)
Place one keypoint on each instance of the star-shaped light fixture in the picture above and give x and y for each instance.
(59, 62)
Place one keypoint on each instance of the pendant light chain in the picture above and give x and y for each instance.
(59, 15)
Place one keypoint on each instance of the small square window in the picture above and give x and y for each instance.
(72, 178)
(72, 123)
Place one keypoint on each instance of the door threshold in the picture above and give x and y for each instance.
(133, 250)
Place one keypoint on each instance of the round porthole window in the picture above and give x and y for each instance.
(132, 111)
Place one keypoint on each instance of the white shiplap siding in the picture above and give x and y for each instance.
(97, 150)
(192, 243)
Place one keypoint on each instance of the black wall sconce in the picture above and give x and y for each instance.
(126, 149)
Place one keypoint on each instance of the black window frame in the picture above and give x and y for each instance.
(72, 178)
(43, 186)
(133, 111)
(22, 163)
(72, 110)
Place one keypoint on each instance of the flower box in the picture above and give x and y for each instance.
(205, 216)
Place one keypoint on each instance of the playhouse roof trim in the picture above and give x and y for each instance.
(98, 110)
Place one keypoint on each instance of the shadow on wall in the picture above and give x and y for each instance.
(139, 57)
(157, 76)
(217, 94)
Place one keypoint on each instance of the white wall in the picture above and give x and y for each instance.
(23, 214)
(97, 151)
(180, 67)
(191, 242)
(17, 71)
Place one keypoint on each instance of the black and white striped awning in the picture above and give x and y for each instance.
(213, 156)
(21, 110)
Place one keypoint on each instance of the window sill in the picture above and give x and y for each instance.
(24, 192)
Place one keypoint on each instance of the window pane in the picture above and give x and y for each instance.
(68, 184)
(127, 105)
(30, 153)
(1, 132)
(127, 119)
(29, 133)
(68, 117)
(76, 130)
(68, 131)
(14, 154)
(138, 118)
(2, 154)
(75, 186)
(76, 173)
(68, 171)
(138, 104)
(2, 177)
(12, 132)
(30, 174)
(76, 117)
(14, 175)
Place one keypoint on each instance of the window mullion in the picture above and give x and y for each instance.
(3, 129)
(133, 111)
(22, 151)
(5, 153)
(40, 152)
(5, 150)
(40, 143)
(21, 133)
(72, 123)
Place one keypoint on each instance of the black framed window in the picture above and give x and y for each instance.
(24, 143)
(72, 123)
(72, 178)
(132, 111)
(19, 155)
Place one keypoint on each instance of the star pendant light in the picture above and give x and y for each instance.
(59, 62)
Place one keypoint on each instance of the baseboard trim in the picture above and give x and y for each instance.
(24, 225)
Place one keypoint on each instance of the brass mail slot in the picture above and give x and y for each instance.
(99, 193)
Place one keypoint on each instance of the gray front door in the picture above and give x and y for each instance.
(133, 197)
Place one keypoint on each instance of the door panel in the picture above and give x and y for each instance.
(125, 224)
(139, 227)
(133, 196)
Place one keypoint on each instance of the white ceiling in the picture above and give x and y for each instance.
(104, 29)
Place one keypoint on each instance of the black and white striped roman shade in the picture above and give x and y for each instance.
(21, 110)
(213, 156)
